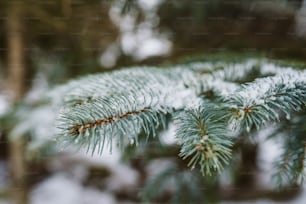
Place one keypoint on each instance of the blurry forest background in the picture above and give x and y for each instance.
(46, 42)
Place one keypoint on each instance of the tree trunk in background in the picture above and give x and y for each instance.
(16, 67)
(66, 8)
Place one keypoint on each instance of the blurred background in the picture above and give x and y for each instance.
(44, 43)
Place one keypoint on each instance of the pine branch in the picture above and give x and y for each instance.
(261, 101)
(224, 78)
(120, 105)
(94, 128)
(204, 138)
(290, 168)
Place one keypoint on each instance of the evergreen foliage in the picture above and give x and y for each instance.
(211, 104)
(202, 133)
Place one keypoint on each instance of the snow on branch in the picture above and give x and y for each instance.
(121, 105)
(203, 135)
(204, 98)
(262, 100)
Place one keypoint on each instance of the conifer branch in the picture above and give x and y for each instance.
(204, 138)
(261, 101)
(290, 167)
(120, 105)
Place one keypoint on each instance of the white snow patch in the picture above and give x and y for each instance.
(109, 57)
(140, 40)
(167, 137)
(4, 105)
(149, 5)
(153, 46)
(39, 123)
(57, 189)
(144, 43)
(39, 87)
(70, 157)
(122, 176)
(61, 189)
(269, 151)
